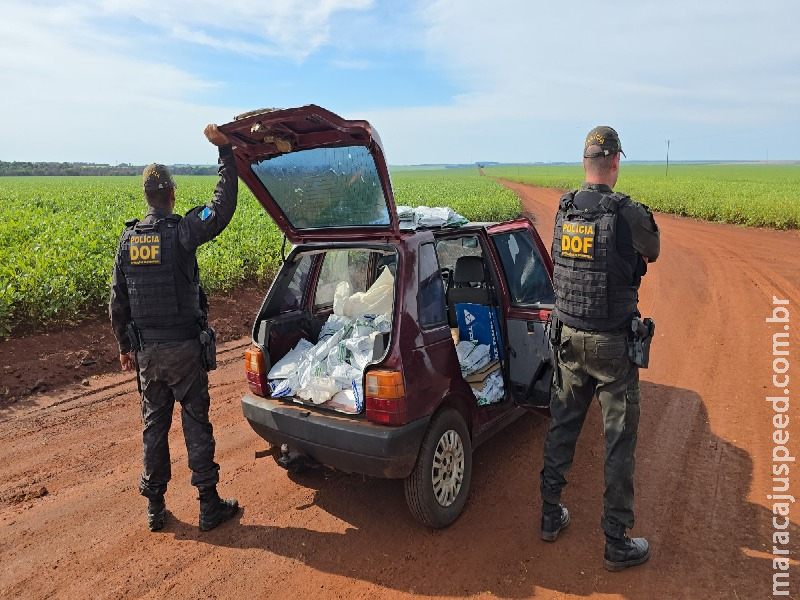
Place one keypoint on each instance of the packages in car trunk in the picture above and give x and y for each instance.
(327, 369)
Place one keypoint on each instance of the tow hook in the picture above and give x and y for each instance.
(294, 462)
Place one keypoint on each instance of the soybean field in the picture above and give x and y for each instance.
(464, 190)
(58, 235)
(752, 195)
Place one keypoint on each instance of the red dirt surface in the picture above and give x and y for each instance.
(72, 523)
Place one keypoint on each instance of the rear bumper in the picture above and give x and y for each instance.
(349, 444)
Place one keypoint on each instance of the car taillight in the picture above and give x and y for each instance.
(256, 368)
(385, 397)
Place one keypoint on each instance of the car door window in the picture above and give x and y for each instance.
(431, 301)
(525, 273)
(338, 266)
(450, 250)
(293, 296)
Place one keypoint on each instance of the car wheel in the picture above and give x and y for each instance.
(437, 488)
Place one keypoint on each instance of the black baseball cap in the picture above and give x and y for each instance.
(602, 141)
(157, 177)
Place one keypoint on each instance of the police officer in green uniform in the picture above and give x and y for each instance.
(159, 316)
(602, 245)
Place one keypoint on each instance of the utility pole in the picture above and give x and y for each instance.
(667, 171)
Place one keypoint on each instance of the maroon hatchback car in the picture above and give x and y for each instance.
(392, 341)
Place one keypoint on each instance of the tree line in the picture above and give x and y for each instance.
(69, 168)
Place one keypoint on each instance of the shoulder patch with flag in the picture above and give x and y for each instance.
(205, 213)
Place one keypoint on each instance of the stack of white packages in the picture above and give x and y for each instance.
(406, 216)
(424, 216)
(472, 356)
(493, 389)
(333, 368)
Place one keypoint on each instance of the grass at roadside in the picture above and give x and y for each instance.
(752, 195)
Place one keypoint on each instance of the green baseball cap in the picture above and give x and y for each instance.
(602, 141)
(156, 177)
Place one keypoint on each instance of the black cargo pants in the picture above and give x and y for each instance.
(595, 363)
(172, 371)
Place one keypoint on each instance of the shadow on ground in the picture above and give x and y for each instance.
(691, 504)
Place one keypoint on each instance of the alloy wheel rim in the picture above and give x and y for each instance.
(447, 472)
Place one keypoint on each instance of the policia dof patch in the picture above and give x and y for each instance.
(145, 248)
(577, 239)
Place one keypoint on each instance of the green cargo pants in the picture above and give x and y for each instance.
(592, 364)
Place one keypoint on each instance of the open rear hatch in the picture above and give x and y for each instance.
(326, 320)
(319, 176)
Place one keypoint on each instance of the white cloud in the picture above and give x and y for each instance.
(351, 65)
(99, 79)
(74, 94)
(530, 69)
(290, 28)
(74, 91)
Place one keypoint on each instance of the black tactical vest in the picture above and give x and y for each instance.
(594, 285)
(163, 279)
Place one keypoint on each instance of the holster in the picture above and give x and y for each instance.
(133, 336)
(554, 335)
(208, 348)
(642, 331)
(136, 345)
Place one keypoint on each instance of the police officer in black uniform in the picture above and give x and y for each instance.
(602, 244)
(159, 317)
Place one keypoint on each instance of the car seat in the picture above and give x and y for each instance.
(469, 285)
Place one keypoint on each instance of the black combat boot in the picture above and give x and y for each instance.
(555, 518)
(156, 511)
(213, 509)
(625, 552)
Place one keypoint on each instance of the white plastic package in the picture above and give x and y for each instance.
(493, 390)
(405, 213)
(377, 300)
(361, 349)
(333, 324)
(425, 216)
(319, 390)
(351, 398)
(288, 365)
(332, 369)
(472, 356)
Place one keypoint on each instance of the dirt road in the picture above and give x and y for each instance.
(703, 472)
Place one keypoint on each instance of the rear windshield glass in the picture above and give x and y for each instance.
(326, 187)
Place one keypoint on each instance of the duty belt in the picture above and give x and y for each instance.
(181, 334)
(609, 331)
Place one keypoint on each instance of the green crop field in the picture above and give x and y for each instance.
(753, 195)
(464, 190)
(58, 235)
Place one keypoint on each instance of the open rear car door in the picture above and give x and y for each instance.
(319, 176)
(527, 278)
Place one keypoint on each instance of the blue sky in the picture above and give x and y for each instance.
(445, 81)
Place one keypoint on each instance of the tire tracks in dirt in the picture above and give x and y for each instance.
(705, 436)
(702, 472)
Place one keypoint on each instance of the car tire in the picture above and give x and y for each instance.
(437, 488)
